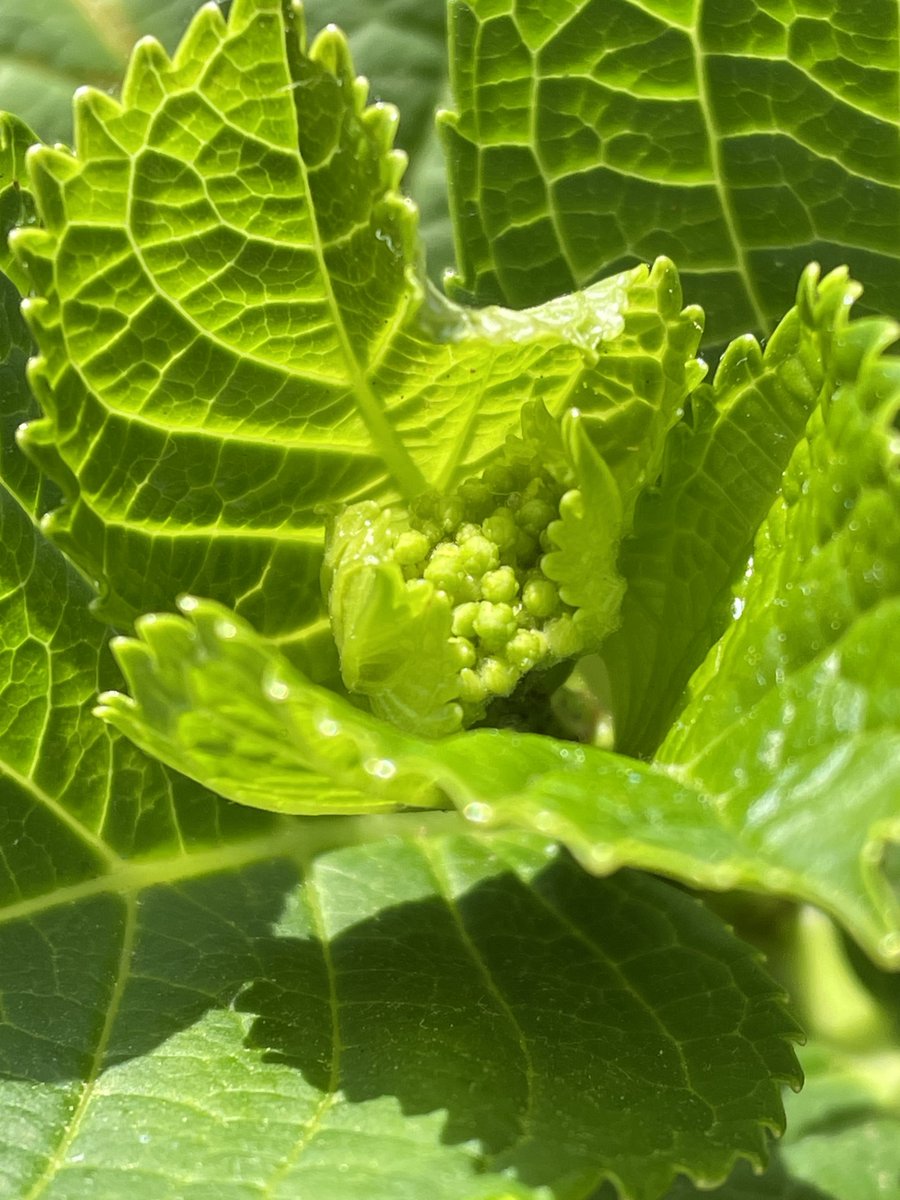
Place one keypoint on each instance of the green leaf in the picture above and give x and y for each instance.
(796, 714)
(401, 48)
(46, 53)
(474, 1020)
(851, 1098)
(694, 531)
(233, 332)
(741, 140)
(16, 202)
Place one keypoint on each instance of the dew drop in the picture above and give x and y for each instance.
(277, 689)
(328, 727)
(544, 821)
(602, 858)
(724, 877)
(226, 629)
(477, 812)
(380, 768)
(778, 880)
(889, 947)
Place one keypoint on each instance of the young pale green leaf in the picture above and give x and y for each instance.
(385, 631)
(441, 1016)
(693, 532)
(793, 721)
(741, 141)
(233, 331)
(401, 48)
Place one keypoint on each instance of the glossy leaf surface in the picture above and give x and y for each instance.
(694, 531)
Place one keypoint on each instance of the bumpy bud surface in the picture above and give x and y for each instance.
(487, 599)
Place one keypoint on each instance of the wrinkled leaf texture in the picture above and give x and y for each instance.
(741, 140)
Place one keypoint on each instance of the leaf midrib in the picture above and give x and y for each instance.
(396, 457)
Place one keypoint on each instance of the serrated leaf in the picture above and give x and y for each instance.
(851, 1098)
(694, 531)
(401, 48)
(46, 52)
(743, 141)
(803, 689)
(419, 1014)
(16, 203)
(228, 255)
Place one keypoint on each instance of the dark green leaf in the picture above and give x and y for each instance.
(434, 1016)
(741, 140)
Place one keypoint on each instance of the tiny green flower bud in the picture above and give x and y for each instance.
(445, 570)
(479, 554)
(540, 597)
(500, 585)
(411, 547)
(499, 678)
(535, 515)
(476, 498)
(527, 649)
(471, 689)
(563, 637)
(500, 527)
(451, 514)
(495, 624)
(499, 479)
(464, 620)
(465, 651)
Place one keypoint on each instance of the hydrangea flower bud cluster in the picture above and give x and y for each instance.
(483, 549)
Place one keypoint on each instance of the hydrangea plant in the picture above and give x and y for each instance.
(424, 693)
